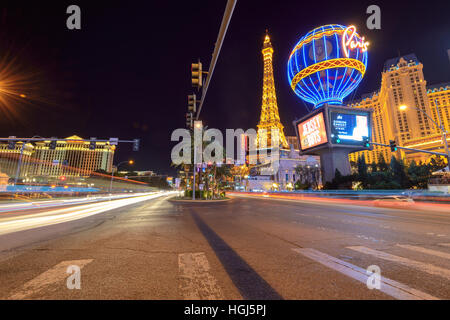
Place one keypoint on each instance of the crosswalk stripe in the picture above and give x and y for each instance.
(197, 283)
(390, 287)
(425, 250)
(56, 274)
(429, 268)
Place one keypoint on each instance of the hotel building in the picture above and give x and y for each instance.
(70, 158)
(403, 85)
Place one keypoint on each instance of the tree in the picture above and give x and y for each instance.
(373, 167)
(398, 173)
(309, 176)
(340, 181)
(437, 163)
(419, 175)
(382, 165)
(362, 171)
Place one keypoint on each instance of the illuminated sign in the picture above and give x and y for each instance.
(352, 42)
(312, 132)
(349, 128)
(327, 64)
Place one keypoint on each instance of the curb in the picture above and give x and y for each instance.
(199, 201)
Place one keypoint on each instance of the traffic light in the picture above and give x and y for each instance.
(196, 69)
(136, 143)
(192, 103)
(92, 144)
(189, 120)
(53, 144)
(366, 142)
(393, 145)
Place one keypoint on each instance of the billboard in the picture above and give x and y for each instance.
(349, 128)
(312, 132)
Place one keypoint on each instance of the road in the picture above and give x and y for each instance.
(246, 248)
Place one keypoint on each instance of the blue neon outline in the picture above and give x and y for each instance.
(315, 61)
(309, 77)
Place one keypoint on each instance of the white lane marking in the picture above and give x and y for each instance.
(390, 287)
(56, 274)
(197, 283)
(425, 250)
(444, 244)
(428, 268)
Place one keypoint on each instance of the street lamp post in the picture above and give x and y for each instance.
(198, 125)
(112, 173)
(439, 126)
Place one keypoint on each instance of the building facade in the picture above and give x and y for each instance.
(397, 116)
(71, 158)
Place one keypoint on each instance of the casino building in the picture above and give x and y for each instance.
(70, 158)
(403, 91)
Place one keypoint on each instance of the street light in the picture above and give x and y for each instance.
(440, 126)
(130, 162)
(198, 125)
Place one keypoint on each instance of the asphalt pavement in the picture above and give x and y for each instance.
(246, 248)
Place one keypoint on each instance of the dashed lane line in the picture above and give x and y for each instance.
(196, 281)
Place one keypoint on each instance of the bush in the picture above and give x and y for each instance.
(198, 194)
(302, 186)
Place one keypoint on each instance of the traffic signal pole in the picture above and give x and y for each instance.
(410, 149)
(222, 32)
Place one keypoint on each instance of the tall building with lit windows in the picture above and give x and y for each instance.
(399, 111)
(70, 158)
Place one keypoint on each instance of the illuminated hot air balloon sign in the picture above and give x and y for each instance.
(327, 64)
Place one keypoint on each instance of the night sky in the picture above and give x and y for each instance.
(127, 72)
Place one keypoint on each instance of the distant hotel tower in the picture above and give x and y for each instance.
(71, 158)
(269, 110)
(403, 84)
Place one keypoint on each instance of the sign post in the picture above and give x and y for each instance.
(332, 132)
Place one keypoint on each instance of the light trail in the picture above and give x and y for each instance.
(380, 203)
(57, 216)
(11, 207)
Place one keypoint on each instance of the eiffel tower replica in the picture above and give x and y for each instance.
(270, 119)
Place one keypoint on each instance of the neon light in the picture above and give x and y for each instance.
(327, 64)
(352, 41)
